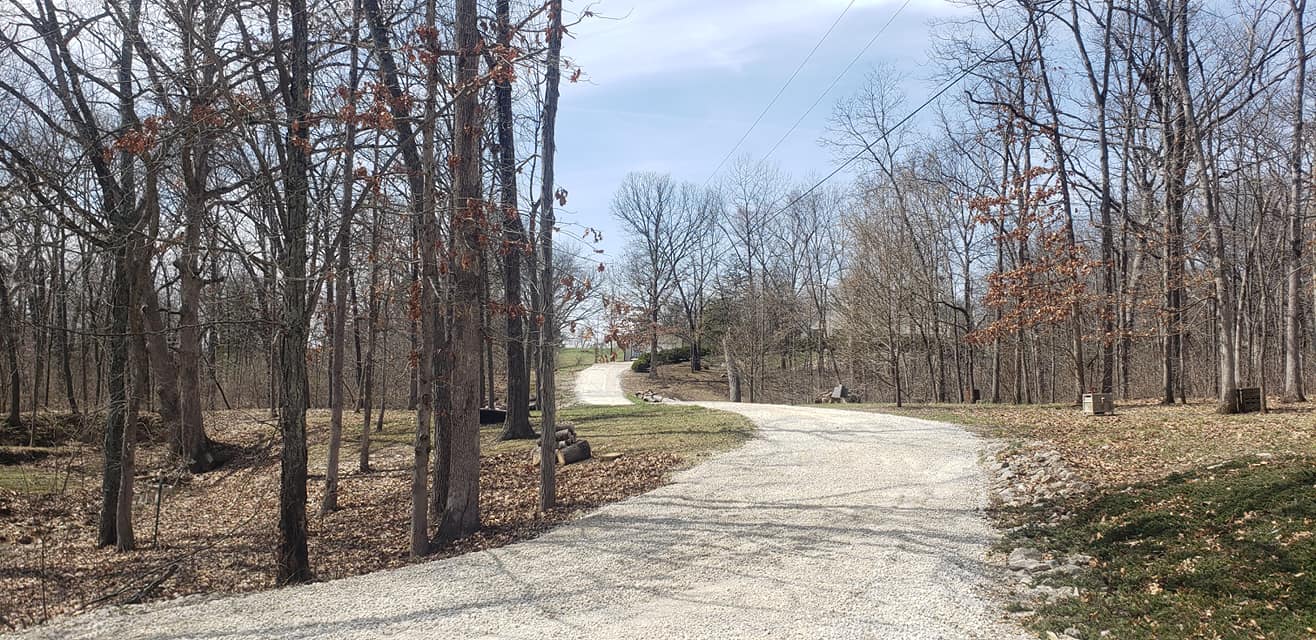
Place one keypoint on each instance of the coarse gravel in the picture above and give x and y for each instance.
(828, 524)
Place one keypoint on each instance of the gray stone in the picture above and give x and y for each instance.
(1024, 557)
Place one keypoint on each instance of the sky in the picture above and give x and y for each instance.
(672, 85)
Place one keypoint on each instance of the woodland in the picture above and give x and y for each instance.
(1105, 197)
(350, 206)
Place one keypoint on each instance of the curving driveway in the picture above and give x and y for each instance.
(830, 524)
(601, 384)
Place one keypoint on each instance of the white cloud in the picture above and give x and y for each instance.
(646, 37)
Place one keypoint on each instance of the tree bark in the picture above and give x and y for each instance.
(517, 426)
(548, 333)
(461, 516)
(329, 501)
(1293, 391)
(14, 418)
(294, 564)
(426, 237)
(733, 372)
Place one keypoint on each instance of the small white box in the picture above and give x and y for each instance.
(1098, 404)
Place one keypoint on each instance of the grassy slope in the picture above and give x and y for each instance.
(1227, 552)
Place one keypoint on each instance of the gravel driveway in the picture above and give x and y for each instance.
(601, 384)
(830, 524)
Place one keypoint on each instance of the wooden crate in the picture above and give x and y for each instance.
(1098, 404)
(1249, 400)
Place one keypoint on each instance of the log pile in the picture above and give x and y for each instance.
(570, 449)
(649, 396)
(840, 394)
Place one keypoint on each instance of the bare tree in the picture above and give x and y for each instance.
(660, 218)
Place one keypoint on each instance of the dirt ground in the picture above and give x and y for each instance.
(677, 381)
(215, 533)
(1144, 440)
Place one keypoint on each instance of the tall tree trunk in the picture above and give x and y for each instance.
(1176, 31)
(372, 337)
(12, 342)
(733, 371)
(1062, 175)
(120, 299)
(517, 426)
(653, 333)
(548, 333)
(426, 239)
(193, 445)
(125, 539)
(461, 517)
(123, 216)
(1293, 391)
(65, 343)
(294, 564)
(329, 501)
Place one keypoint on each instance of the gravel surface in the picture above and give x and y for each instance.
(601, 384)
(830, 524)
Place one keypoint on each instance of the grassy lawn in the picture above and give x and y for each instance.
(691, 433)
(572, 360)
(1203, 525)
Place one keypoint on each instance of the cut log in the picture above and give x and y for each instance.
(576, 452)
(565, 434)
(608, 457)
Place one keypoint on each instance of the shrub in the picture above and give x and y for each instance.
(675, 355)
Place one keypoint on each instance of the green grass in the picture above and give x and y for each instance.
(688, 431)
(22, 480)
(572, 360)
(1227, 552)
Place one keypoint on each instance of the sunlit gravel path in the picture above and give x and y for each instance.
(828, 524)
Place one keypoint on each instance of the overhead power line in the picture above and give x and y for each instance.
(780, 91)
(836, 80)
(933, 98)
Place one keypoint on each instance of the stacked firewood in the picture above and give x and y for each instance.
(570, 449)
(649, 396)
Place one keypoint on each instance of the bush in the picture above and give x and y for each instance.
(675, 355)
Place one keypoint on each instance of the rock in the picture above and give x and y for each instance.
(1061, 570)
(1043, 593)
(1081, 559)
(1073, 632)
(1024, 557)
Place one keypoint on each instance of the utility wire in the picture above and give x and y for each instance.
(836, 80)
(779, 92)
(869, 147)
